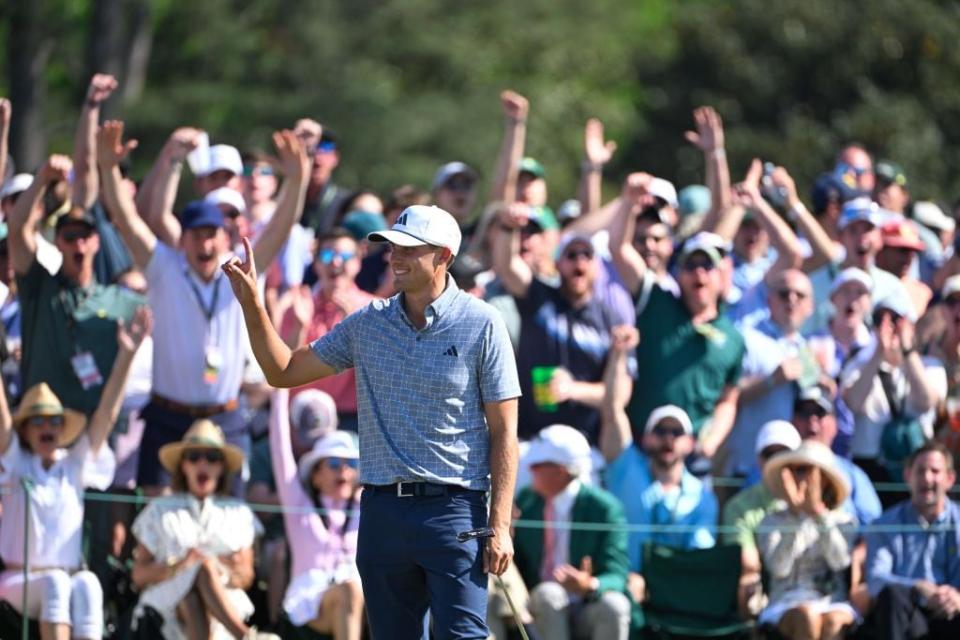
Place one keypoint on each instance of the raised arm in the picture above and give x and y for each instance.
(25, 217)
(596, 154)
(782, 237)
(823, 250)
(281, 366)
(6, 421)
(626, 259)
(135, 233)
(158, 192)
(515, 110)
(514, 273)
(6, 111)
(615, 433)
(709, 138)
(85, 183)
(295, 165)
(129, 340)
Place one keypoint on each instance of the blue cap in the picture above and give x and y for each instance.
(829, 188)
(200, 213)
(694, 198)
(362, 223)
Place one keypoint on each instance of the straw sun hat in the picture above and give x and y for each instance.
(202, 434)
(809, 453)
(40, 400)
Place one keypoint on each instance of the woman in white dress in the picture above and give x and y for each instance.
(48, 456)
(194, 556)
(805, 546)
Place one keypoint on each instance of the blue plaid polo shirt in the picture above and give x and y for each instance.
(420, 393)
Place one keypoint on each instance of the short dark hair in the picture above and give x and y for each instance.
(405, 196)
(932, 446)
(337, 233)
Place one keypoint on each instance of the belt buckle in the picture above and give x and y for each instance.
(400, 493)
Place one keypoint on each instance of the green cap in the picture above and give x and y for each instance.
(889, 172)
(529, 165)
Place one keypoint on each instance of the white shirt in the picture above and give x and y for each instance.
(868, 429)
(184, 339)
(562, 513)
(56, 502)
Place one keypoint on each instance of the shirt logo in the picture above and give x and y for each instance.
(452, 351)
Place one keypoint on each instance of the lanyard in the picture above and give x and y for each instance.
(207, 312)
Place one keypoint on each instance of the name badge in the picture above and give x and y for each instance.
(213, 363)
(85, 368)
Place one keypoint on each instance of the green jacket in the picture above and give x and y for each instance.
(607, 549)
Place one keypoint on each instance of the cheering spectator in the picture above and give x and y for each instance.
(854, 167)
(200, 339)
(892, 391)
(901, 246)
(690, 355)
(49, 456)
(804, 550)
(325, 591)
(564, 332)
(323, 198)
(776, 365)
(336, 296)
(454, 190)
(577, 578)
(194, 556)
(913, 567)
(892, 193)
(71, 306)
(649, 476)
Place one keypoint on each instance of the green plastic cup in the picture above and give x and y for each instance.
(542, 395)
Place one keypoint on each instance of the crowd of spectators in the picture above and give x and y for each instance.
(718, 365)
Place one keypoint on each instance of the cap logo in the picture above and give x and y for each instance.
(402, 220)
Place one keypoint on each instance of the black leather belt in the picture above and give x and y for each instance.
(417, 489)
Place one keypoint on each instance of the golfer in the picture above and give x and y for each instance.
(437, 397)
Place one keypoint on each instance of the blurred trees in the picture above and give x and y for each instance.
(409, 84)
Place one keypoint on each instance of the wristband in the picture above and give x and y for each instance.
(590, 167)
(796, 210)
(719, 152)
(93, 104)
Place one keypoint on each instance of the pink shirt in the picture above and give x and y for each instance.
(312, 544)
(326, 314)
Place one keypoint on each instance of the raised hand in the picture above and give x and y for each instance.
(785, 181)
(635, 187)
(515, 106)
(243, 275)
(515, 215)
(888, 340)
(111, 149)
(624, 338)
(6, 112)
(597, 152)
(129, 338)
(101, 86)
(181, 142)
(294, 162)
(747, 193)
(813, 498)
(709, 134)
(309, 132)
(794, 492)
(55, 169)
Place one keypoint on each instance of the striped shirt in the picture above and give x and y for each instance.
(420, 393)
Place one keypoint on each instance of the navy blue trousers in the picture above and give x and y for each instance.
(410, 561)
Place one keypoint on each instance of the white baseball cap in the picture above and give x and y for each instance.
(930, 215)
(17, 184)
(313, 413)
(336, 444)
(669, 411)
(851, 274)
(777, 432)
(223, 157)
(228, 196)
(419, 225)
(664, 190)
(950, 286)
(560, 444)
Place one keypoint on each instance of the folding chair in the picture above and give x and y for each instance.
(692, 593)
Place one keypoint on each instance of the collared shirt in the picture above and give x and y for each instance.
(562, 504)
(326, 314)
(421, 392)
(766, 350)
(56, 502)
(745, 511)
(926, 552)
(185, 338)
(647, 503)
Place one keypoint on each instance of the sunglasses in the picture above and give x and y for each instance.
(37, 421)
(784, 294)
(641, 238)
(257, 171)
(576, 254)
(328, 255)
(693, 265)
(336, 464)
(662, 431)
(460, 184)
(212, 456)
(809, 411)
(71, 235)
